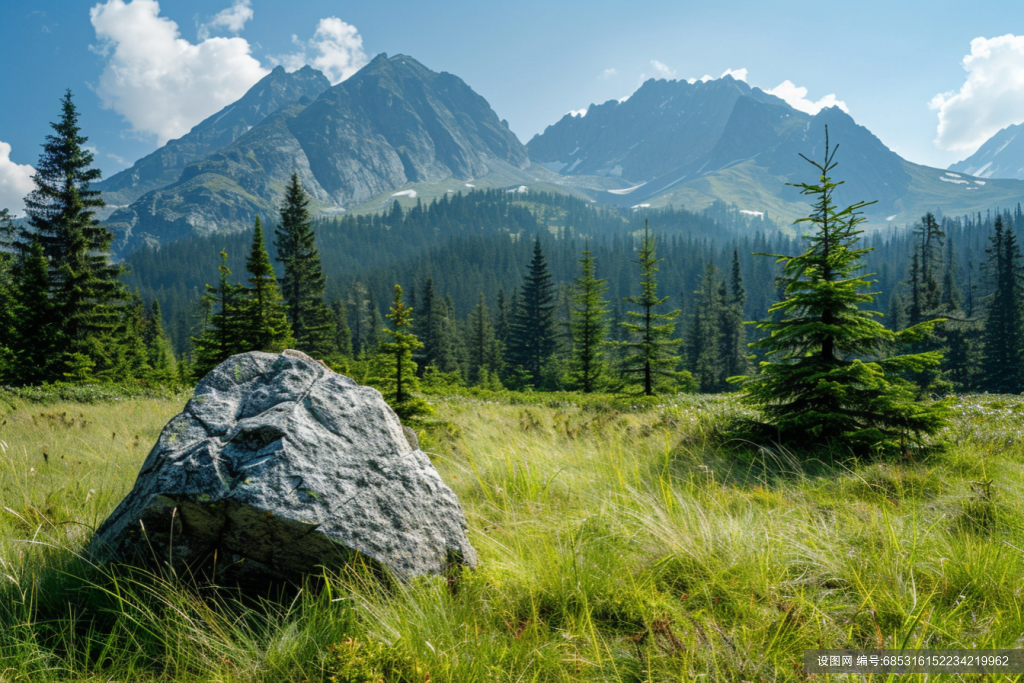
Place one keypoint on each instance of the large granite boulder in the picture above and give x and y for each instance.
(277, 466)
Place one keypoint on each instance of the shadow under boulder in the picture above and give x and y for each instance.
(278, 466)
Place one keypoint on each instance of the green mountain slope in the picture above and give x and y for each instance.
(393, 123)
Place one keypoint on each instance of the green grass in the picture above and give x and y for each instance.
(616, 542)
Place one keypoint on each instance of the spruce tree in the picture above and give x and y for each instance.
(358, 304)
(303, 283)
(503, 322)
(266, 317)
(482, 344)
(393, 370)
(224, 333)
(829, 380)
(1003, 357)
(8, 330)
(533, 327)
(373, 324)
(429, 326)
(83, 283)
(734, 333)
(706, 343)
(342, 332)
(589, 328)
(160, 353)
(38, 334)
(649, 358)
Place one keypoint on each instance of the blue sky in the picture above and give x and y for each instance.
(898, 67)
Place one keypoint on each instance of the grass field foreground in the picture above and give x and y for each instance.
(616, 544)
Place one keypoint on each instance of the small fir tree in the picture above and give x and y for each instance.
(303, 283)
(829, 380)
(589, 324)
(649, 350)
(393, 370)
(734, 332)
(224, 332)
(159, 351)
(266, 316)
(1003, 356)
(38, 333)
(533, 325)
(342, 332)
(706, 341)
(483, 346)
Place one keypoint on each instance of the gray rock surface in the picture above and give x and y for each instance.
(278, 465)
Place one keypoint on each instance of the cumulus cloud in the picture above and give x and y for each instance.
(233, 19)
(578, 112)
(796, 97)
(161, 83)
(991, 98)
(608, 73)
(15, 181)
(336, 49)
(662, 70)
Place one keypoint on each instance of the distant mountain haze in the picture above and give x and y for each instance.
(392, 123)
(164, 166)
(397, 130)
(1002, 156)
(689, 144)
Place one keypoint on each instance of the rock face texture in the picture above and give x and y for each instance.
(164, 166)
(278, 465)
(392, 123)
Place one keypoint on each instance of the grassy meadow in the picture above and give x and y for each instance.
(616, 543)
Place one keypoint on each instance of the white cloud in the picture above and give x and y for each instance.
(159, 82)
(662, 70)
(608, 73)
(990, 99)
(337, 50)
(738, 74)
(233, 19)
(15, 181)
(796, 97)
(578, 112)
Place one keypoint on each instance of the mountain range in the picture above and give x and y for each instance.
(393, 123)
(398, 131)
(1002, 156)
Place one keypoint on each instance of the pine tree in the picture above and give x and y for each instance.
(706, 342)
(648, 351)
(160, 353)
(37, 330)
(342, 332)
(224, 333)
(373, 324)
(266, 314)
(1003, 358)
(589, 328)
(829, 380)
(533, 326)
(393, 370)
(83, 284)
(931, 238)
(358, 304)
(429, 326)
(8, 330)
(503, 324)
(303, 283)
(734, 333)
(482, 346)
